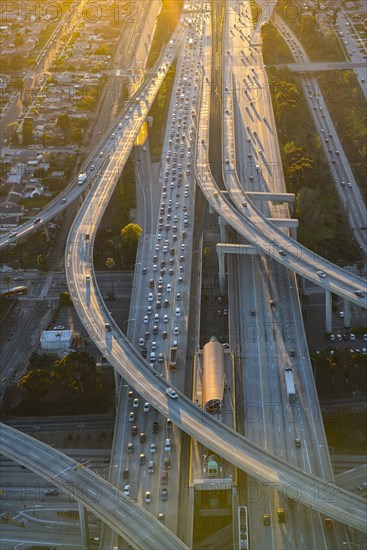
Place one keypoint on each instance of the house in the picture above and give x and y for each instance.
(56, 340)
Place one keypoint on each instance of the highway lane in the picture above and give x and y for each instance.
(121, 513)
(266, 337)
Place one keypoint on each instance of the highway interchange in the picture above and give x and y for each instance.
(257, 230)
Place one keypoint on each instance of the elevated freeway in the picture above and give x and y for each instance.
(122, 514)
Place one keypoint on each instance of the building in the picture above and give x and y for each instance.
(56, 340)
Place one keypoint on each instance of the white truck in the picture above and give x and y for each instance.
(82, 177)
(289, 382)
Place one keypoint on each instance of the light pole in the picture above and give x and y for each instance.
(109, 469)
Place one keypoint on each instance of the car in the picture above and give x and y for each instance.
(130, 396)
(341, 314)
(364, 337)
(134, 429)
(142, 459)
(332, 337)
(169, 287)
(148, 497)
(151, 467)
(164, 476)
(154, 345)
(107, 326)
(20, 279)
(171, 393)
(164, 335)
(292, 352)
(63, 201)
(178, 312)
(359, 293)
(165, 319)
(142, 437)
(37, 220)
(155, 428)
(352, 337)
(298, 442)
(127, 490)
(144, 271)
(164, 493)
(141, 342)
(131, 416)
(161, 517)
(146, 319)
(152, 448)
(362, 486)
(130, 448)
(150, 297)
(266, 519)
(282, 252)
(321, 274)
(136, 403)
(146, 407)
(125, 473)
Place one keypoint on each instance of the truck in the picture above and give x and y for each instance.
(82, 177)
(289, 382)
(173, 359)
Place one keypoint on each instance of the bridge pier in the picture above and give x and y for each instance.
(293, 232)
(47, 232)
(346, 314)
(222, 271)
(328, 312)
(83, 526)
(223, 232)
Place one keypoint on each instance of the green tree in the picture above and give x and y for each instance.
(65, 300)
(41, 261)
(130, 234)
(63, 122)
(36, 383)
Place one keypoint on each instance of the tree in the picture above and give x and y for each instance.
(130, 234)
(65, 300)
(63, 122)
(110, 264)
(41, 261)
(6, 280)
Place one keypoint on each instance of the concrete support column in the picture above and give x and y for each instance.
(293, 231)
(223, 233)
(83, 526)
(328, 312)
(47, 233)
(222, 271)
(346, 314)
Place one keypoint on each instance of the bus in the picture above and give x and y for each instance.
(14, 291)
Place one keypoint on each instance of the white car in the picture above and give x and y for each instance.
(176, 331)
(141, 342)
(150, 297)
(146, 407)
(171, 392)
(178, 312)
(146, 319)
(148, 497)
(321, 274)
(152, 448)
(169, 287)
(165, 319)
(136, 403)
(127, 490)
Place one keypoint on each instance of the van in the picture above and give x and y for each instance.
(167, 446)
